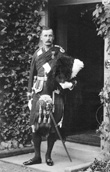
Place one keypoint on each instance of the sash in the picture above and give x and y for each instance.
(46, 57)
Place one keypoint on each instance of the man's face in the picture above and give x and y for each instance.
(47, 37)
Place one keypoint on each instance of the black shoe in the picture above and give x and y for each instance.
(49, 162)
(33, 161)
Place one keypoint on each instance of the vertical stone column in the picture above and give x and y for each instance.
(106, 69)
(44, 18)
(105, 127)
(44, 15)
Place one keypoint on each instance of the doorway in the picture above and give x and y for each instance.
(76, 32)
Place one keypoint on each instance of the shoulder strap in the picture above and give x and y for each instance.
(61, 49)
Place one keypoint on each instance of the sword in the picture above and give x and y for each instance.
(57, 130)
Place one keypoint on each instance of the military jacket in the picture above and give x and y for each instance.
(41, 60)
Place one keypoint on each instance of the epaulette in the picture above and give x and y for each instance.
(61, 49)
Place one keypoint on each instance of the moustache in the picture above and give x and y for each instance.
(48, 41)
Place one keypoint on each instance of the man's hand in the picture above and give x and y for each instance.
(29, 95)
(66, 85)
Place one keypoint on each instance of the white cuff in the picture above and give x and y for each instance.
(66, 85)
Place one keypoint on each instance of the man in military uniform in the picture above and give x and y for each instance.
(42, 63)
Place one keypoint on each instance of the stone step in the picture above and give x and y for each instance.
(85, 153)
(81, 155)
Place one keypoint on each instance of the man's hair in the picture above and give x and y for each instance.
(45, 28)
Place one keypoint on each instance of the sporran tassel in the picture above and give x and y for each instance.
(40, 112)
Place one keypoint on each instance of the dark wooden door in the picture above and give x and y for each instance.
(81, 41)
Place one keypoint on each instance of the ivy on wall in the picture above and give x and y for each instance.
(19, 36)
(101, 17)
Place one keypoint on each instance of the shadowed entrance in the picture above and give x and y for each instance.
(76, 32)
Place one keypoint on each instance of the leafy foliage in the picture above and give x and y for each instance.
(98, 165)
(19, 33)
(101, 17)
(105, 93)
